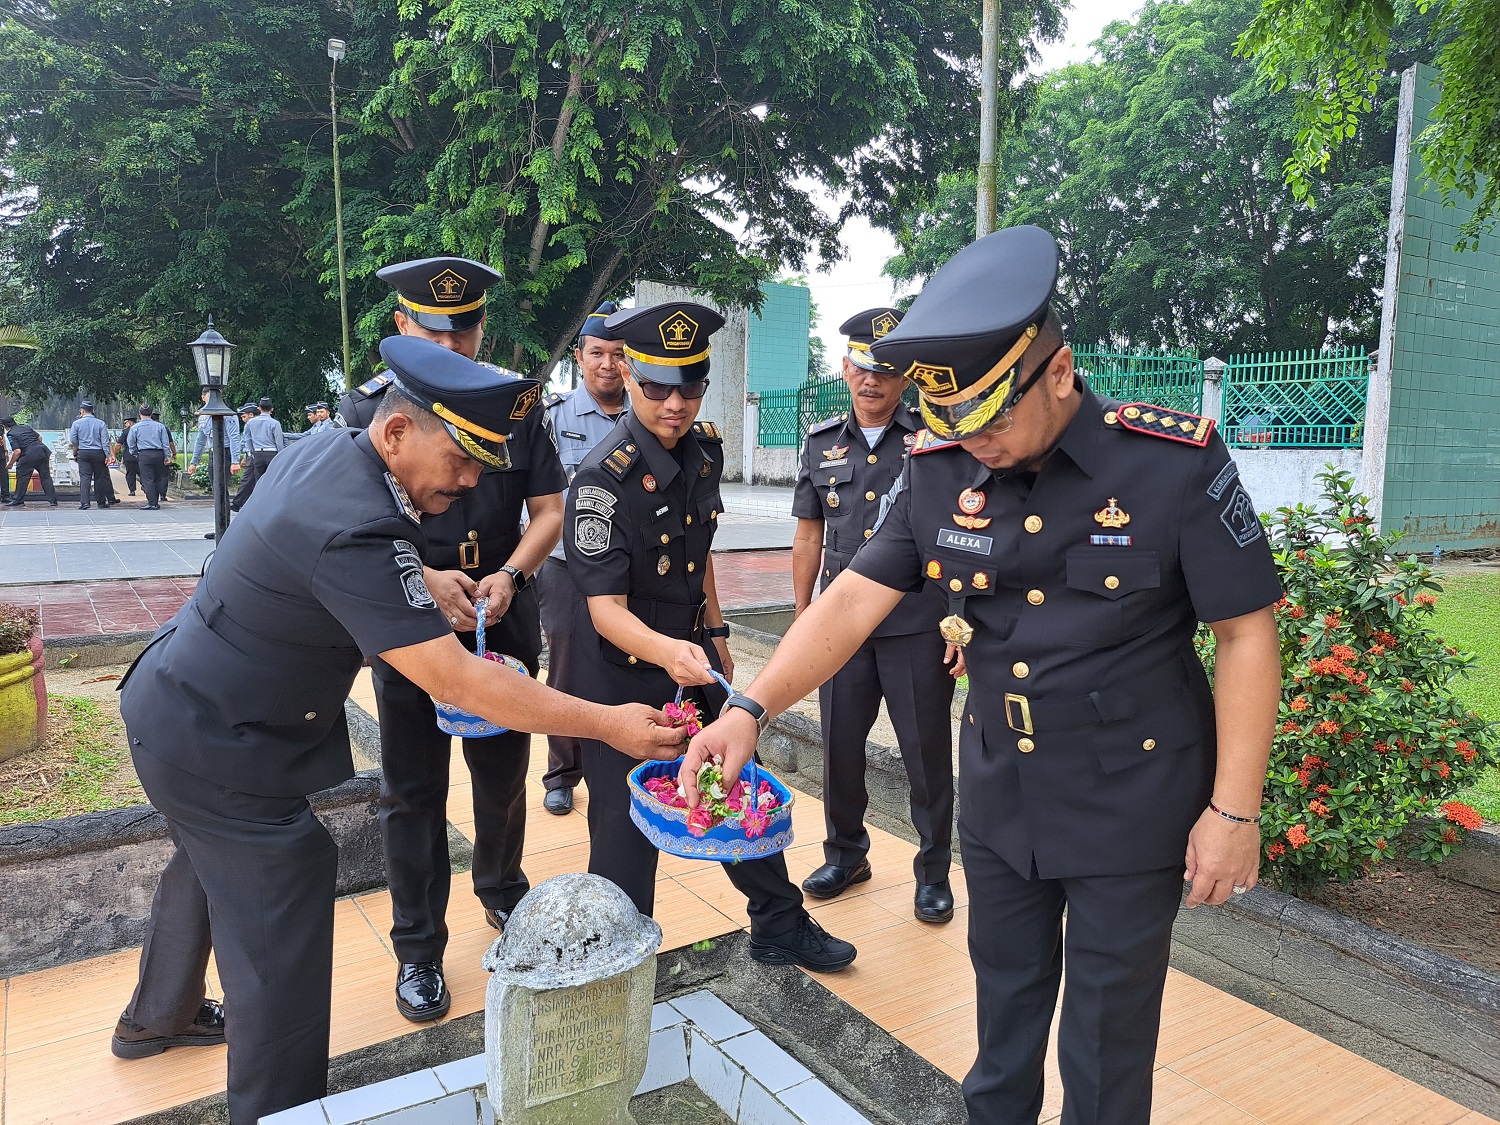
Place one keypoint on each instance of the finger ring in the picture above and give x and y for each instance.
(1239, 890)
(453, 620)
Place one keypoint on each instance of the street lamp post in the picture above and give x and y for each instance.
(185, 414)
(211, 356)
(336, 52)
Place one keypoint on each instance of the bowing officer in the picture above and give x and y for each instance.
(28, 454)
(580, 419)
(849, 463)
(1078, 541)
(475, 549)
(641, 517)
(325, 575)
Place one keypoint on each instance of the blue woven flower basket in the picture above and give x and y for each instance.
(460, 723)
(666, 827)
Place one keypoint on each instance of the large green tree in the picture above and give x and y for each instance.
(1157, 166)
(1333, 57)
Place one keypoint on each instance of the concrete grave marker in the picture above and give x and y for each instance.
(567, 1019)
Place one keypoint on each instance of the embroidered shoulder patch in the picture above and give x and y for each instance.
(1240, 518)
(707, 431)
(927, 442)
(826, 424)
(591, 534)
(1174, 425)
(554, 399)
(619, 460)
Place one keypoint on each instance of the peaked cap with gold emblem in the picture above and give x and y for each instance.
(668, 343)
(863, 329)
(440, 294)
(478, 404)
(966, 336)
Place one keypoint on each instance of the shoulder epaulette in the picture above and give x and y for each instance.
(928, 442)
(1158, 421)
(619, 459)
(826, 424)
(374, 386)
(707, 431)
(553, 399)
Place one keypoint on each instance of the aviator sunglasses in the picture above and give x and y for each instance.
(660, 392)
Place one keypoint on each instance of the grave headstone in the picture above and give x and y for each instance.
(567, 1020)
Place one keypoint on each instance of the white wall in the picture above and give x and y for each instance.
(1280, 478)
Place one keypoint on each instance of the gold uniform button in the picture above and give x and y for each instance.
(869, 531)
(1149, 744)
(630, 660)
(713, 515)
(828, 574)
(971, 720)
(690, 521)
(1033, 524)
(1111, 583)
(833, 480)
(869, 496)
(956, 584)
(1020, 669)
(872, 458)
(1035, 597)
(692, 567)
(1025, 745)
(310, 716)
(1111, 418)
(666, 539)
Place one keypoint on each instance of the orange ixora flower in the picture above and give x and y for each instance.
(1327, 726)
(1465, 816)
(1297, 836)
(1301, 703)
(1343, 652)
(1318, 808)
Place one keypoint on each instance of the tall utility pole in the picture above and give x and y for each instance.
(336, 52)
(989, 66)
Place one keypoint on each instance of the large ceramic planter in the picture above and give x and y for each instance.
(23, 701)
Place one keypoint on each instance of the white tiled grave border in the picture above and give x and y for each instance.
(695, 1037)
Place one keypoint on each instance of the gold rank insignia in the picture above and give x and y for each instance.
(935, 570)
(1112, 515)
(1174, 425)
(648, 482)
(972, 523)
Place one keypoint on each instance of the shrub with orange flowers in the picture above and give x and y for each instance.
(1371, 741)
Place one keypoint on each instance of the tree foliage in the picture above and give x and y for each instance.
(1156, 165)
(1333, 55)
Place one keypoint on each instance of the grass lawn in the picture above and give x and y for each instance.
(1468, 615)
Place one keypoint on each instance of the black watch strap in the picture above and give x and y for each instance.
(748, 705)
(517, 576)
(718, 630)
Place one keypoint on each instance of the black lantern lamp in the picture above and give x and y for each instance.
(211, 356)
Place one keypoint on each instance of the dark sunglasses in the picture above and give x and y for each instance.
(660, 392)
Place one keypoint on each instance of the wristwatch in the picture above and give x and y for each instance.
(718, 630)
(748, 705)
(517, 575)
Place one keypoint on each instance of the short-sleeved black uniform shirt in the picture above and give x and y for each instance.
(1083, 624)
(245, 686)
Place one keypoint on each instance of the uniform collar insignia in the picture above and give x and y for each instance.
(403, 501)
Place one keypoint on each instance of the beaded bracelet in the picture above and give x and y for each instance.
(1230, 816)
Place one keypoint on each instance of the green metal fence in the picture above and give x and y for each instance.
(786, 416)
(1163, 378)
(779, 428)
(1290, 400)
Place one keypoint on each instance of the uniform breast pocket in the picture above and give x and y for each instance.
(662, 528)
(1123, 580)
(710, 508)
(833, 487)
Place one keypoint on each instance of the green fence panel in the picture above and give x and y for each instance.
(778, 427)
(1162, 378)
(1296, 400)
(786, 416)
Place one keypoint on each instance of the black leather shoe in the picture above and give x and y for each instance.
(806, 944)
(421, 994)
(933, 902)
(132, 1041)
(558, 801)
(831, 880)
(496, 918)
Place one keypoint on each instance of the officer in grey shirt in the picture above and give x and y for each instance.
(580, 420)
(263, 438)
(203, 443)
(89, 437)
(152, 443)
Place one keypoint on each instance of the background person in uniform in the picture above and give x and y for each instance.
(28, 454)
(848, 465)
(641, 517)
(129, 464)
(89, 437)
(475, 549)
(580, 419)
(235, 711)
(260, 441)
(4, 469)
(203, 442)
(152, 444)
(1079, 542)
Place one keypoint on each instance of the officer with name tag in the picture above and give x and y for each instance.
(476, 549)
(580, 419)
(89, 437)
(641, 517)
(235, 712)
(1078, 542)
(849, 463)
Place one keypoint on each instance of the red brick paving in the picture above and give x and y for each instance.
(73, 609)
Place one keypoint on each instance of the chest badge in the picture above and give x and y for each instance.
(934, 570)
(837, 453)
(970, 502)
(663, 565)
(981, 580)
(833, 498)
(1112, 515)
(972, 523)
(648, 482)
(955, 630)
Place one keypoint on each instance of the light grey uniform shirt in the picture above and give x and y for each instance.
(578, 424)
(262, 433)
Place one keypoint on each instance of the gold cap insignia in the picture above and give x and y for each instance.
(881, 326)
(525, 402)
(933, 380)
(1112, 515)
(448, 287)
(678, 332)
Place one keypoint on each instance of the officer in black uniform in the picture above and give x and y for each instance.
(28, 454)
(1079, 542)
(475, 549)
(849, 463)
(235, 712)
(641, 517)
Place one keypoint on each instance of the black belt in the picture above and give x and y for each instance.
(675, 619)
(1049, 714)
(467, 554)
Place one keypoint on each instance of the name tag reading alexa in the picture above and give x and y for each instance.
(963, 541)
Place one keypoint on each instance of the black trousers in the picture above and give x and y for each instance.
(132, 469)
(153, 463)
(1118, 938)
(260, 460)
(258, 874)
(93, 476)
(909, 673)
(560, 601)
(415, 757)
(36, 460)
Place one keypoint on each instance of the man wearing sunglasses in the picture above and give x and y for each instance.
(1078, 542)
(640, 522)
